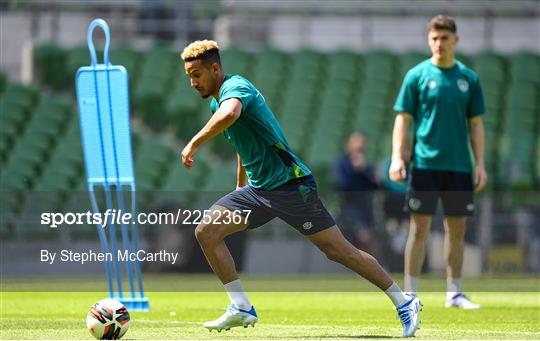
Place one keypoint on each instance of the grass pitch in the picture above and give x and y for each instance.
(283, 315)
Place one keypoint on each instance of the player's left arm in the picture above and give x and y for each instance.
(228, 112)
(476, 131)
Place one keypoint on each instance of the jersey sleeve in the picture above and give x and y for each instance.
(407, 99)
(237, 89)
(476, 103)
(213, 106)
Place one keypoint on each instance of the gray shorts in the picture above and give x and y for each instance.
(296, 202)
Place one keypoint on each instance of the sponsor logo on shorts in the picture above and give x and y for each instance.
(415, 204)
(463, 85)
(307, 225)
(470, 207)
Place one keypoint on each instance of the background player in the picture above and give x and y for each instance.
(280, 185)
(444, 99)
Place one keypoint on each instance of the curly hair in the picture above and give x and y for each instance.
(205, 50)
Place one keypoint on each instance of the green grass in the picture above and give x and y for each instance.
(283, 315)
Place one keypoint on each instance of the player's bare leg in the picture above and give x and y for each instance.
(211, 239)
(332, 242)
(454, 228)
(415, 250)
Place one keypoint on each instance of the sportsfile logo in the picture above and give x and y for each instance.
(53, 220)
(118, 217)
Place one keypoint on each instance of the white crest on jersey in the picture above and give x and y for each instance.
(307, 225)
(463, 85)
(415, 204)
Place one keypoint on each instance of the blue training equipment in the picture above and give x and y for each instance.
(103, 101)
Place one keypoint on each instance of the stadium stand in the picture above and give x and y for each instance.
(50, 62)
(270, 76)
(492, 70)
(319, 99)
(520, 129)
(153, 86)
(299, 113)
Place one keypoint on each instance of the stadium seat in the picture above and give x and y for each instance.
(128, 58)
(184, 107)
(50, 61)
(465, 59)
(221, 177)
(379, 65)
(181, 185)
(151, 163)
(271, 63)
(65, 164)
(525, 67)
(269, 77)
(519, 137)
(523, 96)
(25, 96)
(344, 66)
(77, 57)
(29, 152)
(490, 67)
(153, 85)
(237, 61)
(8, 128)
(307, 65)
(3, 81)
(410, 59)
(13, 113)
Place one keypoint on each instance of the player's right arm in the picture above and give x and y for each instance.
(228, 112)
(405, 106)
(241, 176)
(398, 170)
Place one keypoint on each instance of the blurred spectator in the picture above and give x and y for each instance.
(355, 181)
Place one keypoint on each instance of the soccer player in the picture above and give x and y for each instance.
(271, 182)
(444, 99)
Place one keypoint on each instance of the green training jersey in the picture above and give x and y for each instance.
(441, 100)
(257, 137)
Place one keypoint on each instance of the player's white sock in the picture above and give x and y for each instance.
(411, 284)
(237, 294)
(397, 296)
(453, 287)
